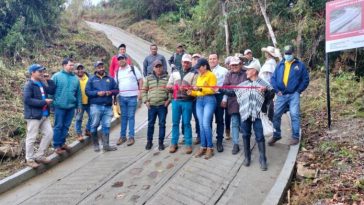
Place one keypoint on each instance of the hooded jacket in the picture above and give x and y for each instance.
(68, 92)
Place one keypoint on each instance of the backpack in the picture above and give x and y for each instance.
(132, 70)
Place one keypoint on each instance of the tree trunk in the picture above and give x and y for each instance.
(299, 39)
(267, 22)
(226, 26)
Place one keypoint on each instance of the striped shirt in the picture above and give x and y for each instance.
(251, 99)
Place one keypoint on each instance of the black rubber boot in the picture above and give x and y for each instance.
(262, 157)
(247, 151)
(105, 142)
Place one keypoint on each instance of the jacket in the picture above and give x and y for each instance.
(96, 84)
(175, 61)
(207, 79)
(188, 79)
(148, 64)
(32, 98)
(155, 91)
(233, 79)
(68, 92)
(83, 82)
(298, 78)
(114, 64)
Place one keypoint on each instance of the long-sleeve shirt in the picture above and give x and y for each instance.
(148, 64)
(114, 65)
(206, 79)
(220, 73)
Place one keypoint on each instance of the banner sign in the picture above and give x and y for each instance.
(344, 25)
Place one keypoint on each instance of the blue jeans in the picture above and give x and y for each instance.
(219, 118)
(258, 129)
(128, 107)
(62, 123)
(79, 118)
(235, 127)
(103, 114)
(153, 112)
(293, 101)
(205, 108)
(184, 109)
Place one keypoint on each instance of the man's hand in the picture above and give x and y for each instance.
(108, 93)
(148, 105)
(262, 89)
(101, 93)
(166, 103)
(223, 104)
(49, 101)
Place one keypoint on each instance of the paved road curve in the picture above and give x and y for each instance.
(132, 175)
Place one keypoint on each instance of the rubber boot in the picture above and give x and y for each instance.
(247, 151)
(95, 141)
(105, 142)
(262, 157)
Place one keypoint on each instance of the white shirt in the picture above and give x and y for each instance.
(267, 70)
(220, 73)
(128, 81)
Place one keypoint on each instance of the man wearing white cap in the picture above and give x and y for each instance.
(248, 54)
(182, 104)
(250, 103)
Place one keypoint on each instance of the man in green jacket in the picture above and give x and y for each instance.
(157, 98)
(67, 99)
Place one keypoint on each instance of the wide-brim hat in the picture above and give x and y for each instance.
(271, 50)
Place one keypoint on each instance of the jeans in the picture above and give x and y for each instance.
(184, 109)
(62, 122)
(293, 101)
(219, 118)
(258, 129)
(103, 114)
(153, 112)
(128, 107)
(227, 120)
(205, 107)
(197, 125)
(33, 127)
(235, 127)
(79, 118)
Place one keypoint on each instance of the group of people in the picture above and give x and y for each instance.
(196, 86)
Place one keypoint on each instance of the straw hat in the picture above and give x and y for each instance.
(271, 50)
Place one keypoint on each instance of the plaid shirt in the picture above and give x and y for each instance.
(250, 99)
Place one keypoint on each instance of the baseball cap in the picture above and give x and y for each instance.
(121, 56)
(186, 57)
(77, 65)
(253, 65)
(98, 63)
(234, 61)
(247, 51)
(157, 62)
(196, 55)
(201, 62)
(288, 49)
(179, 45)
(35, 67)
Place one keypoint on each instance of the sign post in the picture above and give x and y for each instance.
(344, 30)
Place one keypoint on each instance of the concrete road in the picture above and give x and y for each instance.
(132, 175)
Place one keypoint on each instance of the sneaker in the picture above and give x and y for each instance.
(60, 151)
(96, 148)
(273, 140)
(131, 141)
(43, 160)
(66, 148)
(121, 141)
(109, 148)
(188, 149)
(293, 141)
(32, 164)
(200, 152)
(209, 153)
(149, 145)
(80, 138)
(236, 149)
(173, 148)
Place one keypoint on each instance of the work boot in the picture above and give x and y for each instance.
(149, 145)
(262, 157)
(42, 160)
(131, 141)
(80, 138)
(219, 146)
(173, 148)
(121, 141)
(188, 149)
(32, 164)
(227, 134)
(209, 153)
(160, 145)
(60, 151)
(105, 143)
(247, 151)
(235, 149)
(197, 141)
(200, 152)
(273, 140)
